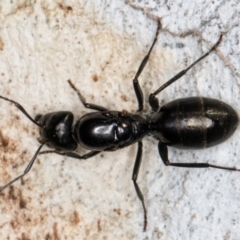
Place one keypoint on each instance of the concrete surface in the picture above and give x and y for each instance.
(99, 46)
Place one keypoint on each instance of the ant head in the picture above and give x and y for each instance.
(56, 130)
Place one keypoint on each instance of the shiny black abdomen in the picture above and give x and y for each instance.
(195, 122)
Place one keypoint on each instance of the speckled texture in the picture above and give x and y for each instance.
(99, 45)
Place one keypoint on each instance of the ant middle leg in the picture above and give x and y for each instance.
(153, 101)
(136, 168)
(85, 104)
(136, 86)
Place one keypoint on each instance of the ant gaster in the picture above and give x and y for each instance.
(186, 123)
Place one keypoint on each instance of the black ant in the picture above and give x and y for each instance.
(187, 123)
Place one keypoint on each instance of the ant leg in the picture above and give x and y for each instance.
(73, 154)
(134, 178)
(153, 101)
(136, 86)
(85, 104)
(29, 166)
(20, 107)
(163, 151)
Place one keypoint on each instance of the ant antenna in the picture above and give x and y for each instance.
(29, 166)
(21, 108)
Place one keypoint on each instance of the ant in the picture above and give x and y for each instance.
(186, 123)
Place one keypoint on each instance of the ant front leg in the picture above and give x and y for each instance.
(153, 101)
(163, 151)
(136, 86)
(73, 154)
(85, 104)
